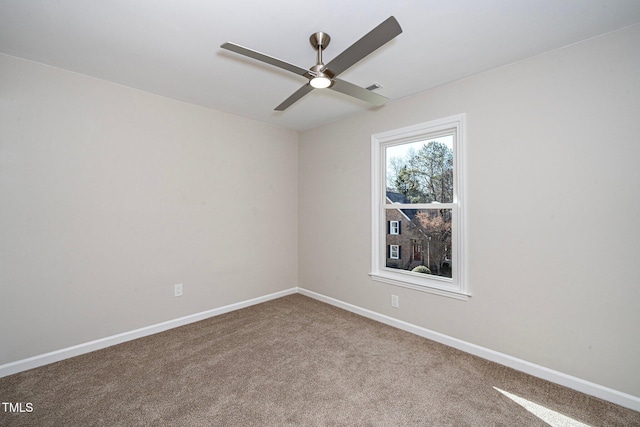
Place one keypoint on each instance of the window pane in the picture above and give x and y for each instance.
(420, 172)
(424, 241)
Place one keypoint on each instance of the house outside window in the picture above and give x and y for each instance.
(418, 207)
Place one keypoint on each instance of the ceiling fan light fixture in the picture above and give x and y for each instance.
(320, 82)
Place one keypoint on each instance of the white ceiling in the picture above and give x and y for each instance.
(171, 47)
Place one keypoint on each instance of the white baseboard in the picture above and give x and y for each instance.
(76, 350)
(592, 389)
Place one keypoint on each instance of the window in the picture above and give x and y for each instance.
(418, 181)
(394, 227)
(394, 251)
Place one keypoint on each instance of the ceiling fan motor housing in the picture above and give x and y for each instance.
(321, 78)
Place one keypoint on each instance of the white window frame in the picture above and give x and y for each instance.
(456, 286)
(394, 228)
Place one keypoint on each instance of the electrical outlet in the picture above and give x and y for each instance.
(395, 301)
(177, 290)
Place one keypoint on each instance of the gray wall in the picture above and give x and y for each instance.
(553, 206)
(110, 196)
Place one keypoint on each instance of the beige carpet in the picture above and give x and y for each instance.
(291, 361)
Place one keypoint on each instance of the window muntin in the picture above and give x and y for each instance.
(417, 181)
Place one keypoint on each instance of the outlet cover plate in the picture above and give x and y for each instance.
(395, 301)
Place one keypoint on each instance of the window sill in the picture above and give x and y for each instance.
(419, 285)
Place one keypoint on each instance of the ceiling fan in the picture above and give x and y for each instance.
(322, 76)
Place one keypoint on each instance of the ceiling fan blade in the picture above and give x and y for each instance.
(265, 58)
(374, 39)
(295, 97)
(358, 92)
